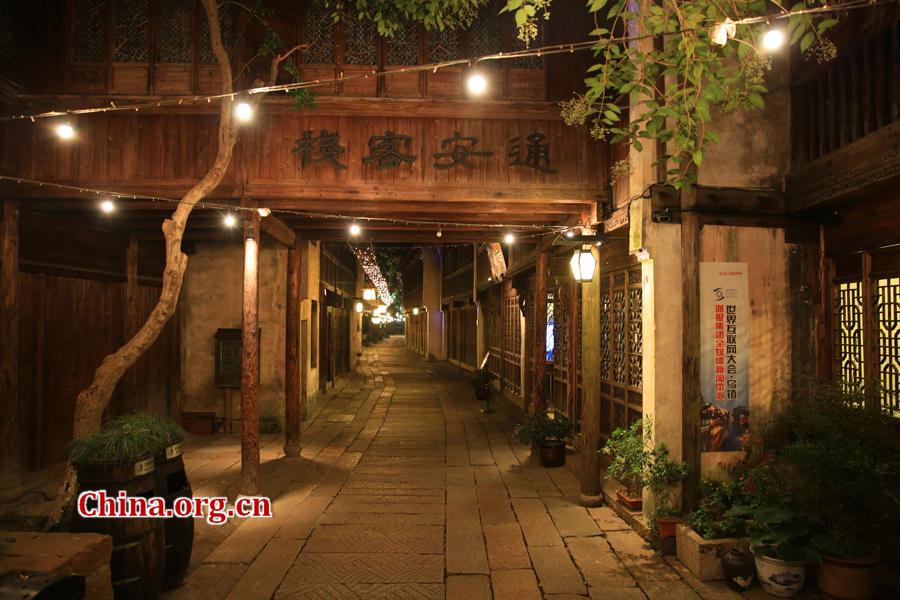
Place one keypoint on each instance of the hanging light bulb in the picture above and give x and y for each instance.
(107, 206)
(65, 131)
(570, 232)
(243, 111)
(509, 238)
(477, 84)
(354, 228)
(229, 220)
(439, 232)
(772, 39)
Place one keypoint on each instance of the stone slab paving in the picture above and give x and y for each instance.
(405, 490)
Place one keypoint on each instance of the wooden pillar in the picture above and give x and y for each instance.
(572, 371)
(690, 391)
(540, 329)
(292, 365)
(10, 462)
(591, 473)
(868, 296)
(825, 317)
(250, 361)
(129, 381)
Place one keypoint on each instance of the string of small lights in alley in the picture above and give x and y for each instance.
(366, 257)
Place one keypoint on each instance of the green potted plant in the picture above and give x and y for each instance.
(629, 463)
(550, 434)
(783, 542)
(838, 454)
(661, 476)
(481, 380)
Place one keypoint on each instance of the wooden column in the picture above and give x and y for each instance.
(10, 462)
(825, 315)
(690, 390)
(539, 401)
(129, 380)
(250, 361)
(591, 473)
(868, 294)
(292, 365)
(572, 371)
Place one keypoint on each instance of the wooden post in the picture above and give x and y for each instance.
(868, 294)
(591, 473)
(540, 328)
(292, 366)
(825, 317)
(250, 361)
(572, 371)
(10, 463)
(690, 390)
(132, 324)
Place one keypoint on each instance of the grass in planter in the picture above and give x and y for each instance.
(123, 439)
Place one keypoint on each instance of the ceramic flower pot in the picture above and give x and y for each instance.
(666, 525)
(552, 456)
(630, 498)
(738, 569)
(780, 578)
(840, 579)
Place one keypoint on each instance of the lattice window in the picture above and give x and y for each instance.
(226, 26)
(888, 313)
(132, 20)
(529, 62)
(318, 33)
(849, 322)
(361, 38)
(443, 45)
(90, 31)
(635, 335)
(512, 350)
(485, 33)
(174, 32)
(580, 327)
(403, 48)
(619, 336)
(561, 355)
(605, 330)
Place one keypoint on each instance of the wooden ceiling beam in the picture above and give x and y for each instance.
(279, 230)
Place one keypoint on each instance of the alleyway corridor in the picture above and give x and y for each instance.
(406, 490)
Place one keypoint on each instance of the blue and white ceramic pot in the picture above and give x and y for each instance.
(780, 578)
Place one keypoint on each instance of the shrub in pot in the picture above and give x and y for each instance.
(629, 462)
(481, 380)
(838, 454)
(662, 474)
(550, 434)
(783, 542)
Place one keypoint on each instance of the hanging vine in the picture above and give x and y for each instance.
(676, 59)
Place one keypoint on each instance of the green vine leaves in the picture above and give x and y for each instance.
(390, 15)
(662, 56)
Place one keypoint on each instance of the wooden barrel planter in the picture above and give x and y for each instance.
(171, 484)
(138, 555)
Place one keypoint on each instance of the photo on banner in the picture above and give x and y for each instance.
(724, 360)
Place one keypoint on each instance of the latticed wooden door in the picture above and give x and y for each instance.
(495, 330)
(621, 349)
(560, 392)
(511, 369)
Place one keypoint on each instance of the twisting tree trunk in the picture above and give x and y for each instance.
(92, 402)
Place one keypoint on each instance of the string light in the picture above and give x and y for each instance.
(354, 228)
(366, 258)
(772, 39)
(229, 220)
(264, 212)
(65, 131)
(107, 206)
(510, 238)
(243, 111)
(477, 84)
(570, 232)
(439, 232)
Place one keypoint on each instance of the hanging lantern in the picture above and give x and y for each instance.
(583, 264)
(369, 292)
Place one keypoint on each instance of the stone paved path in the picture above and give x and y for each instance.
(406, 490)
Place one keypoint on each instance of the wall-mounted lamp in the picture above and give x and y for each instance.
(415, 311)
(359, 307)
(583, 264)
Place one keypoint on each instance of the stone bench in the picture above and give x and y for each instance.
(85, 554)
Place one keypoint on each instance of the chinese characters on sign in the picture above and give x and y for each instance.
(724, 357)
(389, 151)
(326, 149)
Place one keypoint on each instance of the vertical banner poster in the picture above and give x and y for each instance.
(724, 357)
(498, 263)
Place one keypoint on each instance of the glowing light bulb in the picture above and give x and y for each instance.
(509, 238)
(477, 84)
(65, 131)
(244, 111)
(415, 311)
(354, 229)
(439, 232)
(229, 220)
(107, 206)
(772, 39)
(570, 233)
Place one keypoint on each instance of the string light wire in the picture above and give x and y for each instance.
(545, 50)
